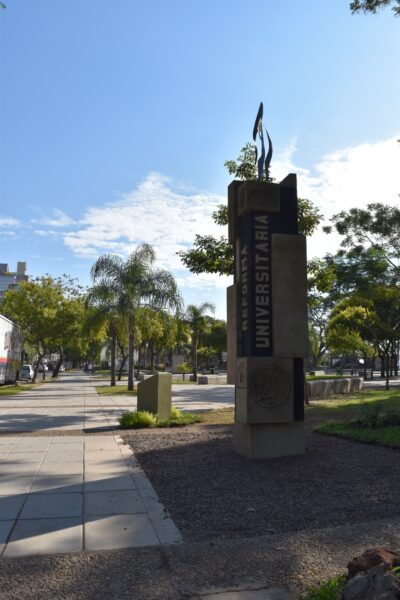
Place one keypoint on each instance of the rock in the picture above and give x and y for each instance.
(378, 583)
(373, 557)
(356, 588)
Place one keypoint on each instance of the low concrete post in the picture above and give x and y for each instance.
(154, 395)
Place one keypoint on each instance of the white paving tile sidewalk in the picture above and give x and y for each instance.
(68, 493)
(73, 493)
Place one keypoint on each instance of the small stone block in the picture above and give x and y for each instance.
(154, 395)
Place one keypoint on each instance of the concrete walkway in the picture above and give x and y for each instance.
(72, 403)
(67, 493)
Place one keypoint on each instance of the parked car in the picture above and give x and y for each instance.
(26, 372)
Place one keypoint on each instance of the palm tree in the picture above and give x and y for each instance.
(104, 304)
(199, 322)
(136, 283)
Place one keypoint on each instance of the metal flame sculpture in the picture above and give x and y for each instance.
(262, 162)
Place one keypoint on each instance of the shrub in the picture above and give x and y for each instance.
(140, 419)
(184, 369)
(143, 419)
(175, 413)
(375, 417)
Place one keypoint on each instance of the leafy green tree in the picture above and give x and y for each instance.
(372, 321)
(200, 323)
(372, 233)
(69, 329)
(158, 332)
(216, 336)
(184, 369)
(373, 6)
(207, 353)
(33, 305)
(349, 330)
(51, 315)
(245, 167)
(136, 283)
(215, 255)
(386, 325)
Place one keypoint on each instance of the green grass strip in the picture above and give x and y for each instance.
(117, 390)
(11, 390)
(383, 436)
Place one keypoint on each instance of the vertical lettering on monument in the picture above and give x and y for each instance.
(244, 280)
(262, 282)
(253, 265)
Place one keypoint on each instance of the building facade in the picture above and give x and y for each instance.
(11, 279)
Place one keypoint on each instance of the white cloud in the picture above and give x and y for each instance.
(9, 222)
(156, 212)
(60, 219)
(351, 177)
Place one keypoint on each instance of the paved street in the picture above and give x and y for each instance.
(66, 493)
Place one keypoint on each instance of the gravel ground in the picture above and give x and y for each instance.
(246, 523)
(189, 570)
(213, 493)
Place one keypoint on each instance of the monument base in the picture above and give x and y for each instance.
(264, 440)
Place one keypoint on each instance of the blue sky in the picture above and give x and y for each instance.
(117, 117)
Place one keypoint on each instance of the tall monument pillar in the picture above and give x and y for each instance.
(267, 318)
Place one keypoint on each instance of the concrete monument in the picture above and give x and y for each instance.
(267, 313)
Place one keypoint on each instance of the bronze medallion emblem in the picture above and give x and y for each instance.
(270, 386)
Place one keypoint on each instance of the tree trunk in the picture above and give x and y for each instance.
(131, 343)
(35, 371)
(194, 356)
(113, 352)
(152, 358)
(387, 387)
(59, 363)
(121, 366)
(381, 356)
